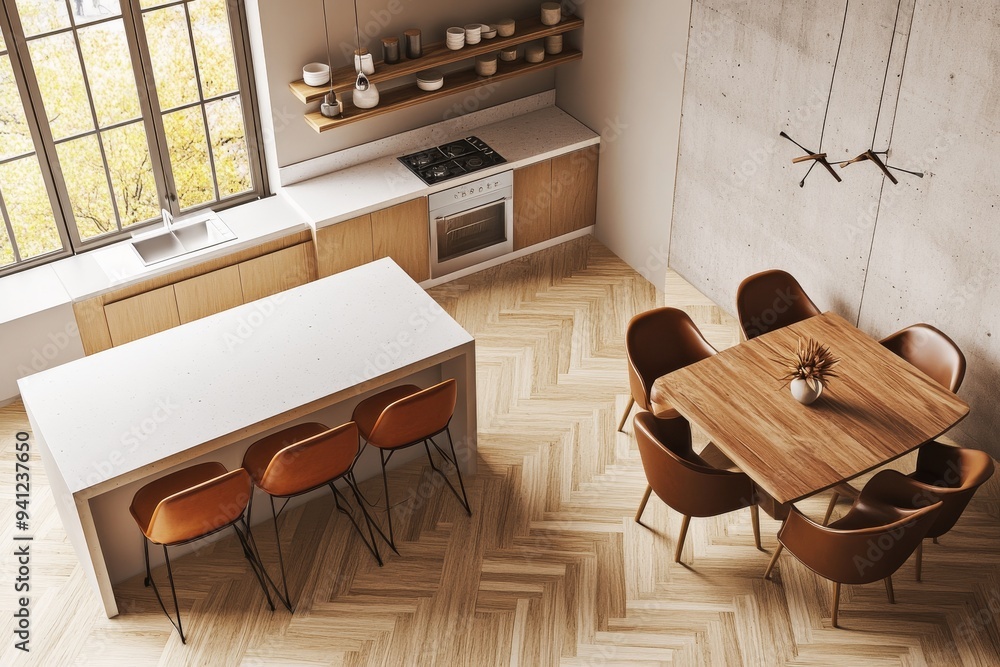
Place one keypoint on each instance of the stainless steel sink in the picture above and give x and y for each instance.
(181, 238)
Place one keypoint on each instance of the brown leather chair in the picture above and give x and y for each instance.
(300, 459)
(404, 416)
(188, 505)
(930, 350)
(683, 480)
(771, 300)
(658, 342)
(953, 475)
(934, 354)
(883, 527)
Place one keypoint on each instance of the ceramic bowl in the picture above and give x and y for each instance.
(473, 33)
(431, 79)
(505, 27)
(316, 74)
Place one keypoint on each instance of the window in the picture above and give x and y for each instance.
(113, 109)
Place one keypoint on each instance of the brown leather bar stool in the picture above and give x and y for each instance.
(191, 504)
(658, 342)
(300, 459)
(404, 416)
(881, 530)
(771, 300)
(686, 482)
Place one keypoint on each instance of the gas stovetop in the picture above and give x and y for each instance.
(451, 160)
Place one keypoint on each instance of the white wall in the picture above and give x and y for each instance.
(628, 88)
(290, 33)
(883, 255)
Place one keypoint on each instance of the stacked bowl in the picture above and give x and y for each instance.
(316, 74)
(455, 38)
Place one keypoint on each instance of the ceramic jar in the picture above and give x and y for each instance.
(806, 391)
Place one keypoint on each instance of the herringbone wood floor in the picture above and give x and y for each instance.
(550, 569)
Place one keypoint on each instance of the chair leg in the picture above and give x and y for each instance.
(680, 538)
(888, 590)
(829, 509)
(173, 593)
(287, 599)
(628, 411)
(755, 517)
(372, 547)
(920, 558)
(145, 552)
(774, 561)
(388, 507)
(642, 505)
(255, 564)
(458, 471)
(453, 460)
(836, 602)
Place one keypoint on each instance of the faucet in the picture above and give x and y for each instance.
(168, 218)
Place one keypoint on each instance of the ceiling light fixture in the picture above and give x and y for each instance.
(818, 156)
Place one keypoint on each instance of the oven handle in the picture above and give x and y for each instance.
(471, 210)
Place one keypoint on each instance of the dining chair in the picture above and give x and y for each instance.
(884, 526)
(771, 300)
(405, 416)
(934, 354)
(302, 458)
(658, 342)
(683, 480)
(931, 351)
(952, 475)
(188, 505)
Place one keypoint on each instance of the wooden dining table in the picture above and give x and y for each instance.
(878, 408)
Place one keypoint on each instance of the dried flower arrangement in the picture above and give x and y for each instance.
(811, 361)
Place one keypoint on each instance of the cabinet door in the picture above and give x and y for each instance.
(93, 325)
(402, 233)
(532, 204)
(208, 294)
(574, 190)
(278, 271)
(142, 315)
(344, 245)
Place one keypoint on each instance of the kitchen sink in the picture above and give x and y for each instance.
(181, 238)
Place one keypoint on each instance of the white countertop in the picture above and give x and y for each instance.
(317, 202)
(384, 182)
(130, 406)
(118, 265)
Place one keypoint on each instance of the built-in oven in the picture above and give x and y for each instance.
(471, 223)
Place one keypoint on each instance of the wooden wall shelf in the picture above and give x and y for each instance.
(435, 55)
(454, 82)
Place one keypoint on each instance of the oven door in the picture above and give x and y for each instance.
(472, 231)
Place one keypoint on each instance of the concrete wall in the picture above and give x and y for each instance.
(885, 256)
(287, 34)
(628, 88)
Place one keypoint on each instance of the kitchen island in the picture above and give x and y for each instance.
(108, 423)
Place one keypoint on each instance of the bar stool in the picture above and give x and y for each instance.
(188, 505)
(300, 459)
(404, 416)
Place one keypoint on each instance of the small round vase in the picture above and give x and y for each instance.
(806, 391)
(366, 99)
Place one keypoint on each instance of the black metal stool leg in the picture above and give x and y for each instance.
(255, 564)
(286, 600)
(453, 460)
(145, 552)
(388, 507)
(173, 593)
(458, 471)
(368, 520)
(337, 496)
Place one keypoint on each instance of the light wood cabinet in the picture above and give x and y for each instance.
(208, 294)
(402, 233)
(343, 246)
(277, 272)
(574, 190)
(532, 204)
(142, 315)
(93, 325)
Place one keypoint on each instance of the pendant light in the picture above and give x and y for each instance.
(330, 107)
(365, 92)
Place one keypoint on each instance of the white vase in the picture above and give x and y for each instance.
(806, 391)
(366, 99)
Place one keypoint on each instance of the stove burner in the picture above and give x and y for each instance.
(451, 160)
